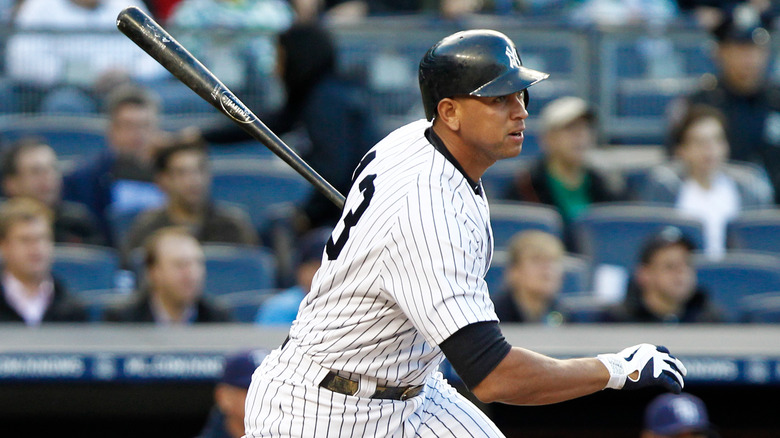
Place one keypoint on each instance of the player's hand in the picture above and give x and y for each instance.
(644, 365)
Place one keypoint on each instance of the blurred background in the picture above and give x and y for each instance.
(158, 214)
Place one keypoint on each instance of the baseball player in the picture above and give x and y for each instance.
(402, 280)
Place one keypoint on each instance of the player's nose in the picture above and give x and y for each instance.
(518, 106)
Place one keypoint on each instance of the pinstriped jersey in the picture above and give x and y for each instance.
(404, 268)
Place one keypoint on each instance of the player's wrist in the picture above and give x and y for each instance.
(616, 368)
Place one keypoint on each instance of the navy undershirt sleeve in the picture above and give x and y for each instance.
(475, 351)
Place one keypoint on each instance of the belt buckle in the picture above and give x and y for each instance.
(405, 395)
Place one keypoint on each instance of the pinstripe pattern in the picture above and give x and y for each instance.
(408, 277)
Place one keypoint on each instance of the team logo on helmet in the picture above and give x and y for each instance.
(514, 60)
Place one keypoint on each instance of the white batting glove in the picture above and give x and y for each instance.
(654, 364)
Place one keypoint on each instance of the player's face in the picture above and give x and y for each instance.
(179, 272)
(133, 131)
(670, 274)
(493, 126)
(38, 176)
(28, 249)
(187, 178)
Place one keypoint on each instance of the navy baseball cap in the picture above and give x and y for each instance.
(672, 414)
(240, 366)
(668, 236)
(744, 24)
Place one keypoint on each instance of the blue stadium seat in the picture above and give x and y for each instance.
(760, 308)
(736, 276)
(257, 185)
(756, 230)
(71, 137)
(97, 301)
(508, 218)
(243, 305)
(498, 179)
(85, 267)
(234, 268)
(576, 274)
(613, 233)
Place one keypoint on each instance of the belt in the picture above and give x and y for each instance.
(342, 385)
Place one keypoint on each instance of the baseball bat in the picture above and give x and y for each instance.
(154, 40)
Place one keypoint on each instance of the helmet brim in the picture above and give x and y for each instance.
(514, 80)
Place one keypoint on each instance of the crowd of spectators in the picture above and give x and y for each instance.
(722, 159)
(721, 156)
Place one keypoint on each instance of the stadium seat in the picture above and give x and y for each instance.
(760, 308)
(576, 274)
(243, 305)
(509, 218)
(498, 179)
(737, 275)
(97, 301)
(71, 137)
(85, 267)
(257, 185)
(234, 268)
(756, 230)
(613, 233)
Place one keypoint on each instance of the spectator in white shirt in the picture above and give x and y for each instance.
(70, 53)
(701, 183)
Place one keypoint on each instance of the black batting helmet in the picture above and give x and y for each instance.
(473, 62)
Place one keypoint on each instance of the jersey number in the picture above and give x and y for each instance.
(333, 248)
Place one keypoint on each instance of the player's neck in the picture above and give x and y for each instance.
(472, 163)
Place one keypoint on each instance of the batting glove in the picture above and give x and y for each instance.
(654, 364)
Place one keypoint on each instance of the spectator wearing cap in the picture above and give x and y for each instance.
(282, 308)
(743, 90)
(561, 177)
(701, 183)
(226, 419)
(663, 288)
(677, 416)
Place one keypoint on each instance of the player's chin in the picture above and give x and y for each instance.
(513, 145)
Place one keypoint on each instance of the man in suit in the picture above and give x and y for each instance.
(28, 291)
(175, 274)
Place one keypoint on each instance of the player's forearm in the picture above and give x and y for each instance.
(527, 378)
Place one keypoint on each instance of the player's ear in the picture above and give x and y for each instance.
(448, 112)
